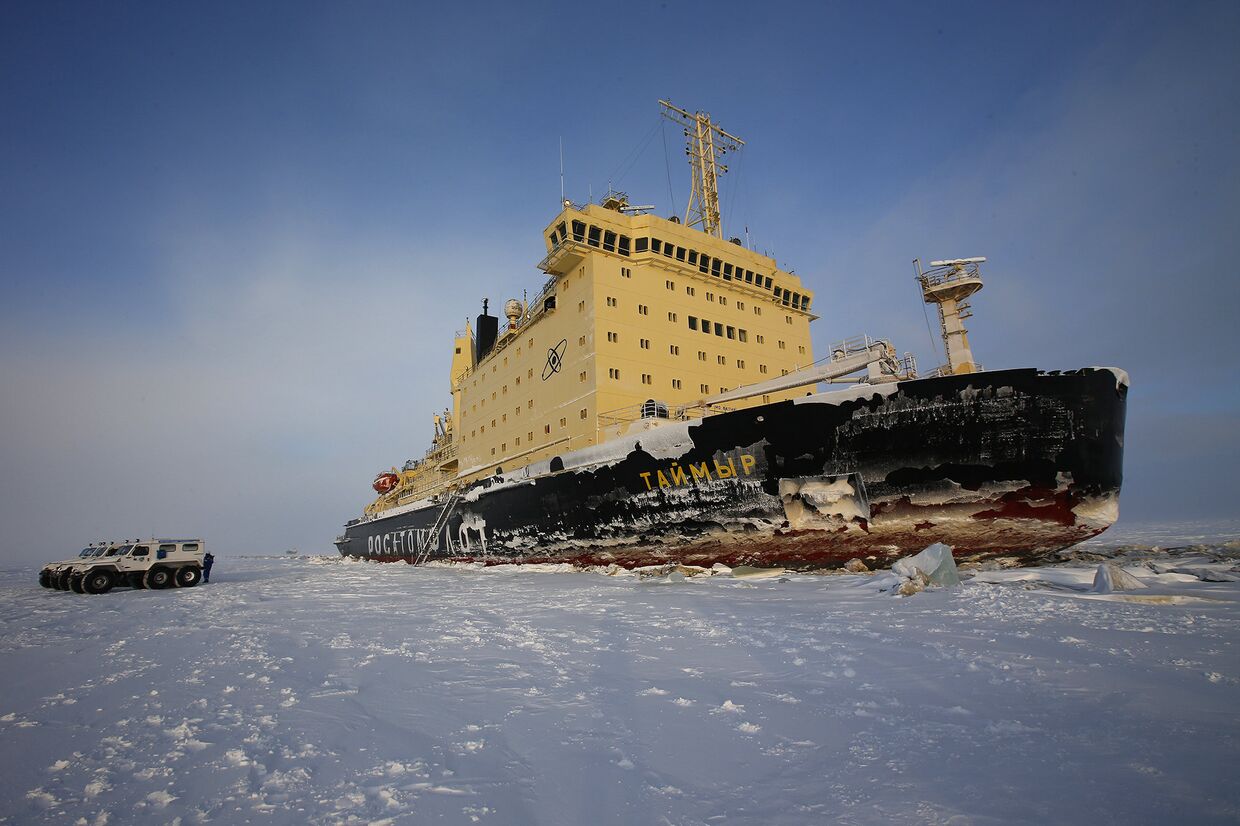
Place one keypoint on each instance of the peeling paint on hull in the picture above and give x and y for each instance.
(1005, 463)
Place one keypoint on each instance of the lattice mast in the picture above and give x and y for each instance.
(706, 143)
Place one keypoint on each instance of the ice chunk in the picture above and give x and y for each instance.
(856, 566)
(909, 587)
(1110, 577)
(935, 562)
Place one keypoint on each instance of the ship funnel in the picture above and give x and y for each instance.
(487, 330)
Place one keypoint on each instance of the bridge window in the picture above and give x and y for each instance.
(593, 239)
(624, 245)
(609, 241)
(704, 263)
(693, 257)
(656, 245)
(641, 245)
(680, 253)
(579, 231)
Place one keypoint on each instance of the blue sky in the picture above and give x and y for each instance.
(236, 238)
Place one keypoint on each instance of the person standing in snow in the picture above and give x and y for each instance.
(207, 562)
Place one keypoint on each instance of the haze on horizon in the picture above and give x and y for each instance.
(236, 241)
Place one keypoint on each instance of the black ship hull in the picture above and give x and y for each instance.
(1003, 463)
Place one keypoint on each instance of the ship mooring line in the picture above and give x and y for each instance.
(630, 160)
(934, 347)
(668, 165)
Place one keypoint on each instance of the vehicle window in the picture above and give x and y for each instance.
(91, 551)
(190, 547)
(114, 552)
(140, 550)
(163, 549)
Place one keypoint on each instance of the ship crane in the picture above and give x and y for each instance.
(948, 285)
(706, 142)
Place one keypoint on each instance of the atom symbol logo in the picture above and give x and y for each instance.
(555, 359)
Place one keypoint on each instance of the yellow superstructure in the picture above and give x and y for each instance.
(640, 316)
(629, 317)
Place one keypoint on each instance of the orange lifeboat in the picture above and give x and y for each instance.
(386, 482)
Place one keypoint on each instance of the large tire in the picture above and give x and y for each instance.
(60, 581)
(75, 584)
(157, 578)
(45, 579)
(135, 580)
(98, 582)
(189, 576)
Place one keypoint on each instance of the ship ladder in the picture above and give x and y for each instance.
(440, 523)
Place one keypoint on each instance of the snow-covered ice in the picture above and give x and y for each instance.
(328, 691)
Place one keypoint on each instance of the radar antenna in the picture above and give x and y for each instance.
(706, 141)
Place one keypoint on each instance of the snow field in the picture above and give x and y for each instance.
(328, 691)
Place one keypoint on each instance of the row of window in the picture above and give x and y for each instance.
(704, 326)
(613, 373)
(723, 330)
(503, 446)
(610, 241)
(708, 265)
(594, 236)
